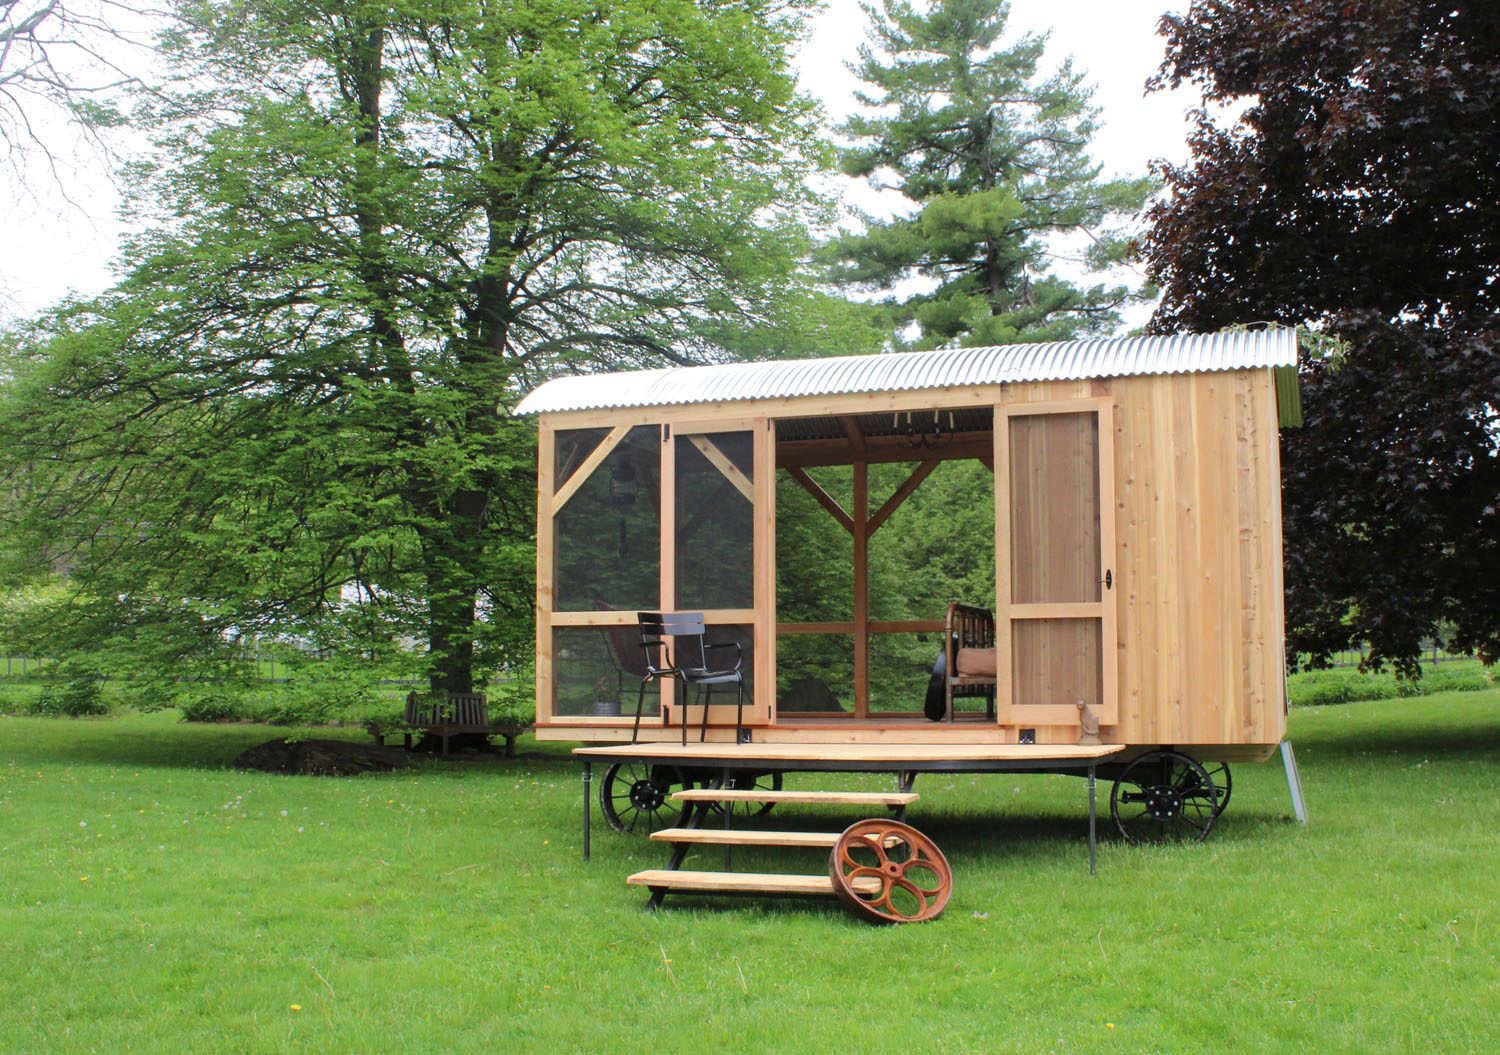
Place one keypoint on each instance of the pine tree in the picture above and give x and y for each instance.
(995, 159)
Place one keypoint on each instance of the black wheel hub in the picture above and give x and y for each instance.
(646, 796)
(1163, 803)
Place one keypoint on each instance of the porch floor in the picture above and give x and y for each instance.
(865, 758)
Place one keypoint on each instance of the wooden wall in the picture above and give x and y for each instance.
(1198, 548)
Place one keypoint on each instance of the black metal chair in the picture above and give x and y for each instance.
(688, 666)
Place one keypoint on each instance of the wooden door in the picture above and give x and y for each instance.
(1055, 614)
(711, 538)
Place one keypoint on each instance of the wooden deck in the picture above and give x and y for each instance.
(907, 760)
(868, 758)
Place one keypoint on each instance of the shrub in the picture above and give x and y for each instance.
(213, 707)
(1317, 688)
(78, 692)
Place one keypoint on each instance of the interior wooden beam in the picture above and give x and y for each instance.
(823, 498)
(583, 472)
(720, 461)
(878, 450)
(846, 627)
(875, 626)
(902, 493)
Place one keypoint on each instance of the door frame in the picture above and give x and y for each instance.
(1007, 712)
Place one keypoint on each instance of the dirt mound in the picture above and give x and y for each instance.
(327, 758)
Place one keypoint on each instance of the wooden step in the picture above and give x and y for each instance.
(829, 798)
(741, 837)
(744, 882)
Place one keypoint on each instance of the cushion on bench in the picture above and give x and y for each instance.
(975, 663)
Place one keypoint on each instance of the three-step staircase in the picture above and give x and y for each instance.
(701, 802)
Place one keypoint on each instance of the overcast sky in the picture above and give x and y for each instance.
(50, 246)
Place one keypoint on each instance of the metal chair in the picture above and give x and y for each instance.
(688, 629)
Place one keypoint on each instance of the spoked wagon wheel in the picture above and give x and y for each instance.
(752, 782)
(1218, 776)
(636, 797)
(888, 872)
(1164, 795)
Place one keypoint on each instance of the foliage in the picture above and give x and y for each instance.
(1356, 193)
(1317, 687)
(370, 229)
(75, 690)
(119, 835)
(512, 696)
(994, 157)
(213, 707)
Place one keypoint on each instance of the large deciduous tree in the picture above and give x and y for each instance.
(1358, 192)
(372, 227)
(993, 157)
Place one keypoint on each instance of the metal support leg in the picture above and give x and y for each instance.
(587, 778)
(904, 781)
(1093, 833)
(1293, 782)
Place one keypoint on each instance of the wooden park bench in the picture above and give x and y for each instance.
(448, 714)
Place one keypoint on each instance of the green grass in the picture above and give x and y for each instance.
(152, 899)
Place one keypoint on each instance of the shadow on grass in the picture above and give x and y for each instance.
(160, 740)
(1408, 740)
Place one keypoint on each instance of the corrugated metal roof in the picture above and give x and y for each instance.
(911, 371)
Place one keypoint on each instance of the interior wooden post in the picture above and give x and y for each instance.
(765, 569)
(667, 520)
(1000, 463)
(861, 589)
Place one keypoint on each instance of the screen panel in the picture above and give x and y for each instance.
(1054, 513)
(607, 550)
(715, 521)
(572, 448)
(596, 672)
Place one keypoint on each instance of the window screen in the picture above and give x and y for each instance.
(715, 521)
(607, 548)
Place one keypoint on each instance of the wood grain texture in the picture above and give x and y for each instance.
(807, 798)
(763, 709)
(885, 753)
(743, 882)
(742, 837)
(545, 571)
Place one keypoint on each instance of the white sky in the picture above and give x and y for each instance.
(50, 246)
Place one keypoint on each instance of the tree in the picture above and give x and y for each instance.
(1357, 193)
(376, 226)
(64, 57)
(994, 157)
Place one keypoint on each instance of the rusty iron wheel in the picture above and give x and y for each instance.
(885, 871)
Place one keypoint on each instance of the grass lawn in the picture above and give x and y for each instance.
(153, 900)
